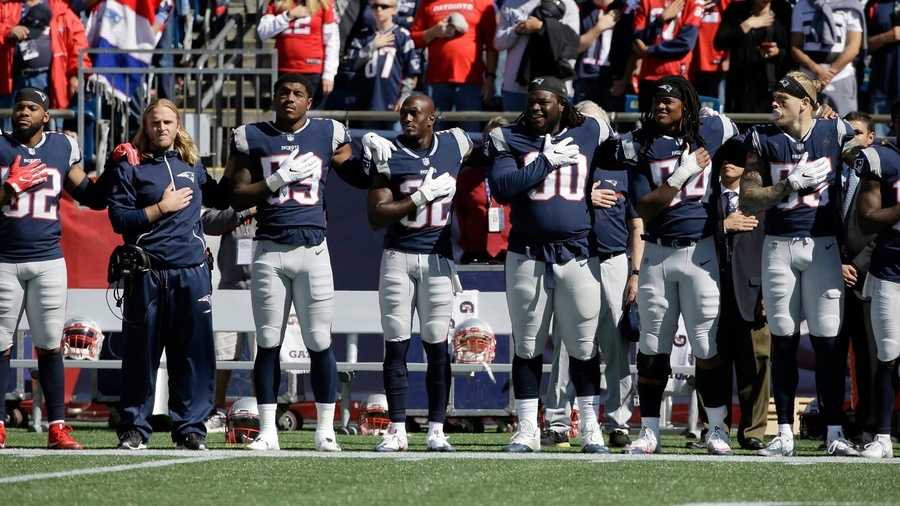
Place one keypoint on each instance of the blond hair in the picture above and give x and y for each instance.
(183, 144)
(811, 86)
(313, 6)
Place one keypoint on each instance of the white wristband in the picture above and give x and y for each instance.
(419, 199)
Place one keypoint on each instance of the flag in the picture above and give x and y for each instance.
(125, 24)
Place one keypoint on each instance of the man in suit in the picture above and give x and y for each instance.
(856, 253)
(744, 338)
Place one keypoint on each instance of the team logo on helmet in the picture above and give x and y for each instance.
(474, 342)
(82, 339)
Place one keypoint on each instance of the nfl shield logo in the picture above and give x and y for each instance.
(290, 138)
(426, 162)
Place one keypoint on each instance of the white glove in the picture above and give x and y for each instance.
(292, 169)
(806, 175)
(377, 148)
(561, 153)
(433, 188)
(687, 168)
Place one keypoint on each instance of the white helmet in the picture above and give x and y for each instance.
(374, 420)
(242, 421)
(474, 342)
(82, 339)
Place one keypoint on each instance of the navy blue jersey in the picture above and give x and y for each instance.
(690, 215)
(428, 229)
(596, 55)
(295, 214)
(611, 225)
(379, 75)
(29, 226)
(175, 240)
(882, 163)
(550, 213)
(807, 213)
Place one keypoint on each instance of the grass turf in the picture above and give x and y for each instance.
(433, 481)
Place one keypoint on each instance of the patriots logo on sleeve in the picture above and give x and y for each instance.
(187, 175)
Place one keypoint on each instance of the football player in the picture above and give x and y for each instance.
(412, 195)
(669, 161)
(36, 166)
(541, 165)
(281, 167)
(879, 211)
(793, 174)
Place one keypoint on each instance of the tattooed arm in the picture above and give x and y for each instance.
(755, 197)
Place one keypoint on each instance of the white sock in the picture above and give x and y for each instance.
(398, 428)
(834, 432)
(651, 423)
(54, 422)
(717, 418)
(324, 417)
(435, 427)
(267, 424)
(786, 431)
(587, 409)
(527, 411)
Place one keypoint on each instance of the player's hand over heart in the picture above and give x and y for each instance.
(561, 153)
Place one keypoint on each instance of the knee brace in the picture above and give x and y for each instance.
(395, 378)
(654, 369)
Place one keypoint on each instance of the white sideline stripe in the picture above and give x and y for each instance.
(104, 470)
(459, 455)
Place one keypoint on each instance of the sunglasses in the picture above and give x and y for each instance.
(379, 7)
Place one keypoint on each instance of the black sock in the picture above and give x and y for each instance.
(831, 373)
(323, 375)
(51, 375)
(396, 378)
(785, 375)
(713, 383)
(585, 375)
(267, 374)
(885, 374)
(653, 374)
(4, 384)
(437, 380)
(526, 374)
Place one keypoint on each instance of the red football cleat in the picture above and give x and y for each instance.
(2, 436)
(59, 438)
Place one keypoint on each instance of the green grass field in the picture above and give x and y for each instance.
(358, 476)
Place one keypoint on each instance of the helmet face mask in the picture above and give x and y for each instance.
(82, 339)
(242, 421)
(474, 343)
(375, 421)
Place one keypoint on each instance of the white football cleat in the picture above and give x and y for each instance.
(437, 442)
(526, 439)
(878, 449)
(718, 442)
(393, 441)
(778, 447)
(645, 444)
(326, 442)
(264, 442)
(592, 440)
(840, 447)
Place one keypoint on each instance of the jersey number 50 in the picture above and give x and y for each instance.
(305, 193)
(40, 203)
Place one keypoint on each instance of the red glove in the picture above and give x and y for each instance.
(22, 178)
(126, 150)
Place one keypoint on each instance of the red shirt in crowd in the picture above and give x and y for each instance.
(457, 60)
(653, 67)
(706, 57)
(470, 215)
(301, 47)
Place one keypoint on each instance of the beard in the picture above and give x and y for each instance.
(24, 134)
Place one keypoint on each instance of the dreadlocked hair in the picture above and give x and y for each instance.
(570, 117)
(690, 116)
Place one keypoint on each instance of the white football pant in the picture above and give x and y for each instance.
(415, 282)
(41, 288)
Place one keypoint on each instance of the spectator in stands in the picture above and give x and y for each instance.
(825, 39)
(404, 14)
(519, 23)
(665, 36)
(39, 44)
(756, 34)
(708, 62)
(856, 255)
(307, 40)
(462, 61)
(237, 229)
(884, 47)
(381, 66)
(594, 72)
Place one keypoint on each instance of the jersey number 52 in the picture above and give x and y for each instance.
(41, 203)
